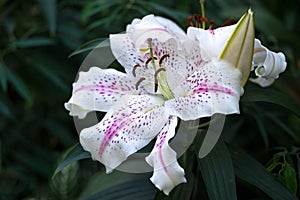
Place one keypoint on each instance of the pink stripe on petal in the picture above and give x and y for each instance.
(167, 172)
(97, 90)
(203, 88)
(128, 127)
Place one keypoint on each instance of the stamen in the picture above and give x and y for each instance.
(134, 69)
(189, 21)
(197, 20)
(203, 19)
(211, 24)
(139, 82)
(162, 58)
(227, 22)
(149, 60)
(155, 78)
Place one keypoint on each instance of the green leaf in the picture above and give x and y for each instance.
(262, 129)
(3, 76)
(73, 154)
(218, 174)
(167, 11)
(64, 185)
(4, 110)
(118, 185)
(96, 7)
(252, 172)
(50, 11)
(254, 93)
(90, 45)
(290, 132)
(33, 42)
(48, 72)
(290, 178)
(19, 85)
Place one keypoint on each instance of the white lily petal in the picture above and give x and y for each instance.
(167, 172)
(150, 25)
(125, 51)
(268, 64)
(263, 82)
(211, 42)
(131, 124)
(97, 90)
(215, 88)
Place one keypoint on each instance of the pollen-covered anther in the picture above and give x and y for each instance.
(139, 82)
(162, 58)
(156, 79)
(149, 60)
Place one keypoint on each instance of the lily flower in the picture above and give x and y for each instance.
(168, 76)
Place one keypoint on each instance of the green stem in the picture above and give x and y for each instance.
(202, 13)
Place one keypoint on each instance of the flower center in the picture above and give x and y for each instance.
(158, 79)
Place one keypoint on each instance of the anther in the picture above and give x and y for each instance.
(162, 58)
(147, 61)
(134, 69)
(156, 79)
(139, 82)
(227, 22)
(189, 21)
(203, 19)
(211, 24)
(197, 20)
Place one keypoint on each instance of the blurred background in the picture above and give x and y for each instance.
(42, 45)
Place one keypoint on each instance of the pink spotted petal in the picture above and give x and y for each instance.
(98, 90)
(131, 124)
(167, 172)
(215, 88)
(211, 42)
(126, 52)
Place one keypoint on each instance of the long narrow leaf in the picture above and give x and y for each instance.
(252, 172)
(34, 42)
(3, 76)
(49, 9)
(218, 174)
(73, 154)
(19, 85)
(256, 94)
(118, 185)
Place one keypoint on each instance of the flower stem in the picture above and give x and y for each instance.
(202, 13)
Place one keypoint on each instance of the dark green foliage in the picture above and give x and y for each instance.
(42, 45)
